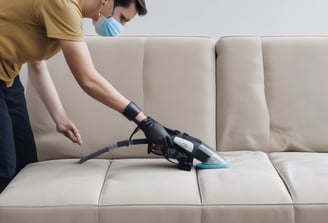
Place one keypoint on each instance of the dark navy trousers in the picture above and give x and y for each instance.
(17, 146)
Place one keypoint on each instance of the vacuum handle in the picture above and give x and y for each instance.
(138, 141)
(108, 148)
(104, 150)
(93, 155)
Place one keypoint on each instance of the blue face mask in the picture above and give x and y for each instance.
(108, 26)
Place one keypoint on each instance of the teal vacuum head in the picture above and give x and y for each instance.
(209, 158)
(212, 160)
(212, 165)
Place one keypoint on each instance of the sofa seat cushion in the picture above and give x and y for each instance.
(54, 191)
(147, 190)
(126, 190)
(306, 176)
(250, 189)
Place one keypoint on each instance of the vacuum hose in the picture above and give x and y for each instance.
(185, 149)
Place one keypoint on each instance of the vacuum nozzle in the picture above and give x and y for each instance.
(202, 152)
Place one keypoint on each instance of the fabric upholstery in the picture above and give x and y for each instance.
(250, 187)
(242, 114)
(270, 92)
(306, 176)
(259, 99)
(101, 191)
(172, 79)
(163, 193)
(54, 191)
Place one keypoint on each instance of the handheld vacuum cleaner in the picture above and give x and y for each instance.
(183, 152)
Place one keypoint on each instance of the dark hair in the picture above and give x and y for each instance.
(140, 5)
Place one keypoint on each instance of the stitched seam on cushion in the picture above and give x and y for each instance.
(143, 73)
(104, 183)
(158, 205)
(200, 197)
(48, 206)
(265, 91)
(196, 205)
(285, 183)
(283, 179)
(151, 205)
(199, 190)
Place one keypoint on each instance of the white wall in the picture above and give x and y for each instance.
(217, 18)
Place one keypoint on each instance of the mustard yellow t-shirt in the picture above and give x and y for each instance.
(30, 31)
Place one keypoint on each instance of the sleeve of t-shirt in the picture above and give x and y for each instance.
(62, 19)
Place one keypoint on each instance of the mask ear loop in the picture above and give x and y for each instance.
(113, 10)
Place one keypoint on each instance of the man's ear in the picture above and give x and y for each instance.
(106, 9)
(107, 1)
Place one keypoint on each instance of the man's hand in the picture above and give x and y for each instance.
(67, 128)
(42, 82)
(156, 134)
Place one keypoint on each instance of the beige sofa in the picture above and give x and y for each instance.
(260, 101)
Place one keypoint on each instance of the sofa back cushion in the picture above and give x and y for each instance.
(272, 93)
(171, 78)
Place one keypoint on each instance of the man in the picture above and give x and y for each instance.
(31, 32)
